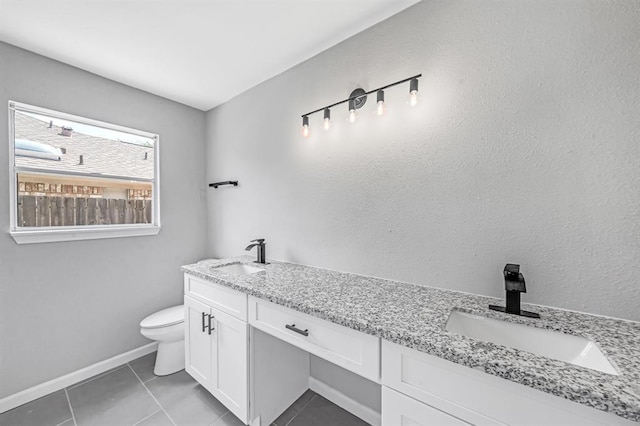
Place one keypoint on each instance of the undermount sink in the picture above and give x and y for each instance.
(548, 343)
(239, 269)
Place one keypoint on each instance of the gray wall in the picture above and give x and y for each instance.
(64, 306)
(359, 388)
(524, 149)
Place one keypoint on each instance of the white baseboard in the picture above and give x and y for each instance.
(43, 389)
(341, 400)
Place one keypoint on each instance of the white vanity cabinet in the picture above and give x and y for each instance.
(249, 351)
(217, 342)
(415, 382)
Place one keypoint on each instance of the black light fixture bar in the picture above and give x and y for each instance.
(362, 95)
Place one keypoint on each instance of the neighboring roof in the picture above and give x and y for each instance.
(27, 148)
(104, 157)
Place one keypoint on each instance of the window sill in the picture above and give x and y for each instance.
(34, 236)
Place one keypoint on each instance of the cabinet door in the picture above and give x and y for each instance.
(401, 410)
(197, 341)
(230, 363)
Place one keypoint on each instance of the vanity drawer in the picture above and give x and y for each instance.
(348, 348)
(217, 296)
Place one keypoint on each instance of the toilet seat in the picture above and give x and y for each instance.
(164, 318)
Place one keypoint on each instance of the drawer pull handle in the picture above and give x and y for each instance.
(210, 326)
(293, 327)
(203, 323)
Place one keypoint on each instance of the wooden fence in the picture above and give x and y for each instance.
(72, 211)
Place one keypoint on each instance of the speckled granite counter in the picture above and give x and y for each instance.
(415, 316)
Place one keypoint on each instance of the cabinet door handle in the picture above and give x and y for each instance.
(203, 322)
(293, 327)
(210, 326)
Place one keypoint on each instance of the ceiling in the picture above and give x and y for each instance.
(198, 52)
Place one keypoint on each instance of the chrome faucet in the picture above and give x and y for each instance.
(513, 285)
(262, 250)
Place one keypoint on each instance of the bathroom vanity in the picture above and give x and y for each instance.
(216, 342)
(249, 333)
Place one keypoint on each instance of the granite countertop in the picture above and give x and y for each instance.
(415, 316)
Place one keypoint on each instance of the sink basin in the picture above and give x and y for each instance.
(239, 269)
(551, 344)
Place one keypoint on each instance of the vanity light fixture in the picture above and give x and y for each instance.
(358, 98)
(380, 99)
(413, 92)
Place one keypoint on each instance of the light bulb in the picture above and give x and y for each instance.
(305, 126)
(413, 99)
(352, 110)
(327, 119)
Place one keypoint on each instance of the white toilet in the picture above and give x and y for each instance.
(167, 327)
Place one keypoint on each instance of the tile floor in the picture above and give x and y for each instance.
(312, 409)
(132, 395)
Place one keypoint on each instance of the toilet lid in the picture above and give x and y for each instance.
(164, 318)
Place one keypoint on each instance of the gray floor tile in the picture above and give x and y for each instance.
(322, 412)
(117, 398)
(52, 409)
(144, 365)
(158, 419)
(294, 409)
(75, 385)
(184, 400)
(69, 422)
(228, 420)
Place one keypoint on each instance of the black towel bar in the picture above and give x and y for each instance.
(226, 182)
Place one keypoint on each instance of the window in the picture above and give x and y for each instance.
(75, 178)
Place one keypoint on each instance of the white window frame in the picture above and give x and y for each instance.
(28, 235)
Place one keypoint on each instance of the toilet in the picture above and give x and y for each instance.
(166, 327)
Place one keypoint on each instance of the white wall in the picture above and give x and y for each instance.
(524, 149)
(64, 306)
